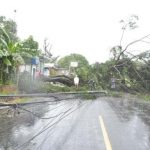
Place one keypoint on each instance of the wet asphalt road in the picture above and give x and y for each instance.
(75, 125)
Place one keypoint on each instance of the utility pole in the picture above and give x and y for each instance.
(15, 11)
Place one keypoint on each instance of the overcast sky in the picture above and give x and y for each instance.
(87, 27)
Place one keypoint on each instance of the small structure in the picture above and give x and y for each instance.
(34, 66)
(55, 70)
(113, 83)
(72, 67)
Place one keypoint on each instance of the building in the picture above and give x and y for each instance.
(34, 65)
(51, 69)
(37, 66)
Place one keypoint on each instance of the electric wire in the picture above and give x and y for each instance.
(67, 113)
(49, 132)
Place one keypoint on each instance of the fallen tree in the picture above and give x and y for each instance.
(58, 79)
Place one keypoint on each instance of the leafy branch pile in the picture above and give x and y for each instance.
(131, 70)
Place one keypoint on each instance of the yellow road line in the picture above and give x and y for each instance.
(106, 138)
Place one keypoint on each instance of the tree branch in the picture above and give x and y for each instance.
(130, 45)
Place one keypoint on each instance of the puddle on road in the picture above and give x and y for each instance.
(16, 131)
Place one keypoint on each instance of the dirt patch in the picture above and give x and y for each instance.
(8, 89)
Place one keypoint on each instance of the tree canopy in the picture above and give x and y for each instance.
(65, 61)
(83, 65)
(10, 27)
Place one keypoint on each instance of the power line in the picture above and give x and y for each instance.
(51, 125)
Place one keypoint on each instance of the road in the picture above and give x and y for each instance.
(102, 124)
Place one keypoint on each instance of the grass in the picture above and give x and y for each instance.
(145, 96)
(115, 94)
(21, 100)
(56, 88)
(88, 96)
(8, 89)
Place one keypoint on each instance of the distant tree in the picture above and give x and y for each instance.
(83, 65)
(31, 46)
(129, 23)
(47, 52)
(10, 27)
(65, 61)
(102, 72)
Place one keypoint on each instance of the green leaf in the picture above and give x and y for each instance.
(1, 53)
(5, 35)
(18, 58)
(4, 42)
(7, 62)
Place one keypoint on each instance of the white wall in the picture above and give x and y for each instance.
(23, 68)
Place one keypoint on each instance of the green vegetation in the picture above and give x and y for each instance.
(87, 96)
(57, 88)
(145, 96)
(13, 52)
(131, 72)
(115, 94)
(8, 89)
(21, 100)
(10, 27)
(83, 68)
